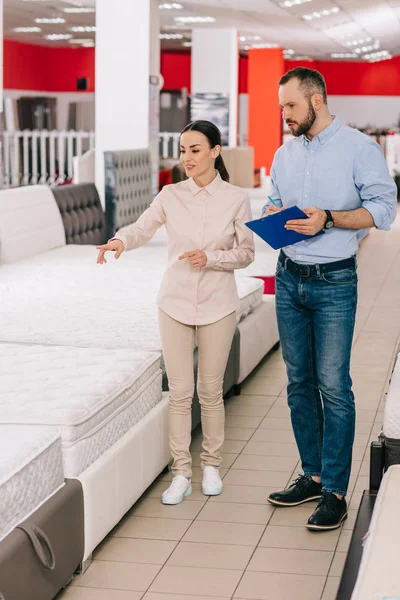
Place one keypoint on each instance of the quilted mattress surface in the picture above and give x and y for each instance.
(31, 471)
(91, 395)
(63, 298)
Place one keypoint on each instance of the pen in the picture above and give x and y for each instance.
(269, 198)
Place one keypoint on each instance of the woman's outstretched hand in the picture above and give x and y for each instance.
(113, 246)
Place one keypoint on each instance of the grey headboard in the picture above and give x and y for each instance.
(127, 187)
(81, 213)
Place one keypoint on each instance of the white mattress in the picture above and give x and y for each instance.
(92, 396)
(63, 298)
(391, 419)
(31, 471)
(378, 576)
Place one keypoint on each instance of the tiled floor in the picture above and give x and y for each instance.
(236, 545)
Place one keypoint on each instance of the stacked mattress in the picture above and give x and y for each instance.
(378, 577)
(31, 472)
(391, 420)
(92, 396)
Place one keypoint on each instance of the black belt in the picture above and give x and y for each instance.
(308, 270)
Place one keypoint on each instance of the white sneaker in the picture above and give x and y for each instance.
(212, 483)
(177, 491)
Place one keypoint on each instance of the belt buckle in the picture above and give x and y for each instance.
(307, 270)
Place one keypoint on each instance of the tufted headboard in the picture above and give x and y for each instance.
(127, 187)
(82, 213)
(30, 223)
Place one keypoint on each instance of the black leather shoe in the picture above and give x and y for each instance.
(329, 514)
(303, 489)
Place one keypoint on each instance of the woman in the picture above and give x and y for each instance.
(205, 220)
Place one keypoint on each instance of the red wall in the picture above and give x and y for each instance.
(42, 68)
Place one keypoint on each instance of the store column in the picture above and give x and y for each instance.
(266, 67)
(215, 65)
(122, 78)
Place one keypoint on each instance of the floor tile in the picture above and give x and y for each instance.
(265, 463)
(298, 538)
(155, 596)
(331, 588)
(293, 517)
(271, 449)
(344, 541)
(338, 564)
(250, 400)
(155, 529)
(244, 410)
(281, 424)
(80, 593)
(243, 494)
(279, 412)
(237, 534)
(257, 478)
(266, 386)
(184, 580)
(278, 436)
(258, 586)
(152, 507)
(212, 556)
(152, 552)
(236, 513)
(247, 422)
(117, 576)
(296, 562)
(240, 433)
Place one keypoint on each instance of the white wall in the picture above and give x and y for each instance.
(378, 111)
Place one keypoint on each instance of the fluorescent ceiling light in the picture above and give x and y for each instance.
(78, 10)
(171, 36)
(27, 29)
(173, 6)
(344, 55)
(55, 37)
(249, 38)
(290, 3)
(323, 13)
(54, 21)
(82, 29)
(195, 19)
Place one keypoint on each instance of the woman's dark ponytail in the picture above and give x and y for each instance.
(221, 168)
(214, 137)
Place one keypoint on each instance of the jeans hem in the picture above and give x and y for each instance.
(312, 474)
(334, 491)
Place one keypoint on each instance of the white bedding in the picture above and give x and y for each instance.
(31, 471)
(63, 298)
(391, 419)
(92, 396)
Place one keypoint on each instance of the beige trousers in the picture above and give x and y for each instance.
(214, 343)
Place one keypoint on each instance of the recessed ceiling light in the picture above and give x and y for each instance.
(81, 41)
(27, 29)
(171, 36)
(377, 56)
(187, 44)
(173, 6)
(323, 13)
(55, 37)
(290, 3)
(264, 45)
(289, 52)
(344, 55)
(359, 42)
(54, 21)
(82, 29)
(195, 19)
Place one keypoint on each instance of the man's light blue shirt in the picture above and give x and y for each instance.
(339, 169)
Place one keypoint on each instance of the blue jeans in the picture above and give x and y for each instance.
(316, 318)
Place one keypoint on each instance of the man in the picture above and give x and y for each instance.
(339, 177)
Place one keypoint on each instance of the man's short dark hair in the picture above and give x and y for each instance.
(310, 81)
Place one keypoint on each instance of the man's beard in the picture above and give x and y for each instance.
(305, 126)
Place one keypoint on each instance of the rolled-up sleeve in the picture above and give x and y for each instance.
(377, 188)
(243, 253)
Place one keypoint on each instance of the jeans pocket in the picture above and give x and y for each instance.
(279, 267)
(342, 277)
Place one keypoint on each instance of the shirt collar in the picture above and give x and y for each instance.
(210, 188)
(327, 133)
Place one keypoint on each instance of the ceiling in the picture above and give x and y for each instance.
(373, 25)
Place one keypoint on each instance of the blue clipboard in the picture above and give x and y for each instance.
(272, 228)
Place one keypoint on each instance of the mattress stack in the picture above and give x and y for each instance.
(391, 420)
